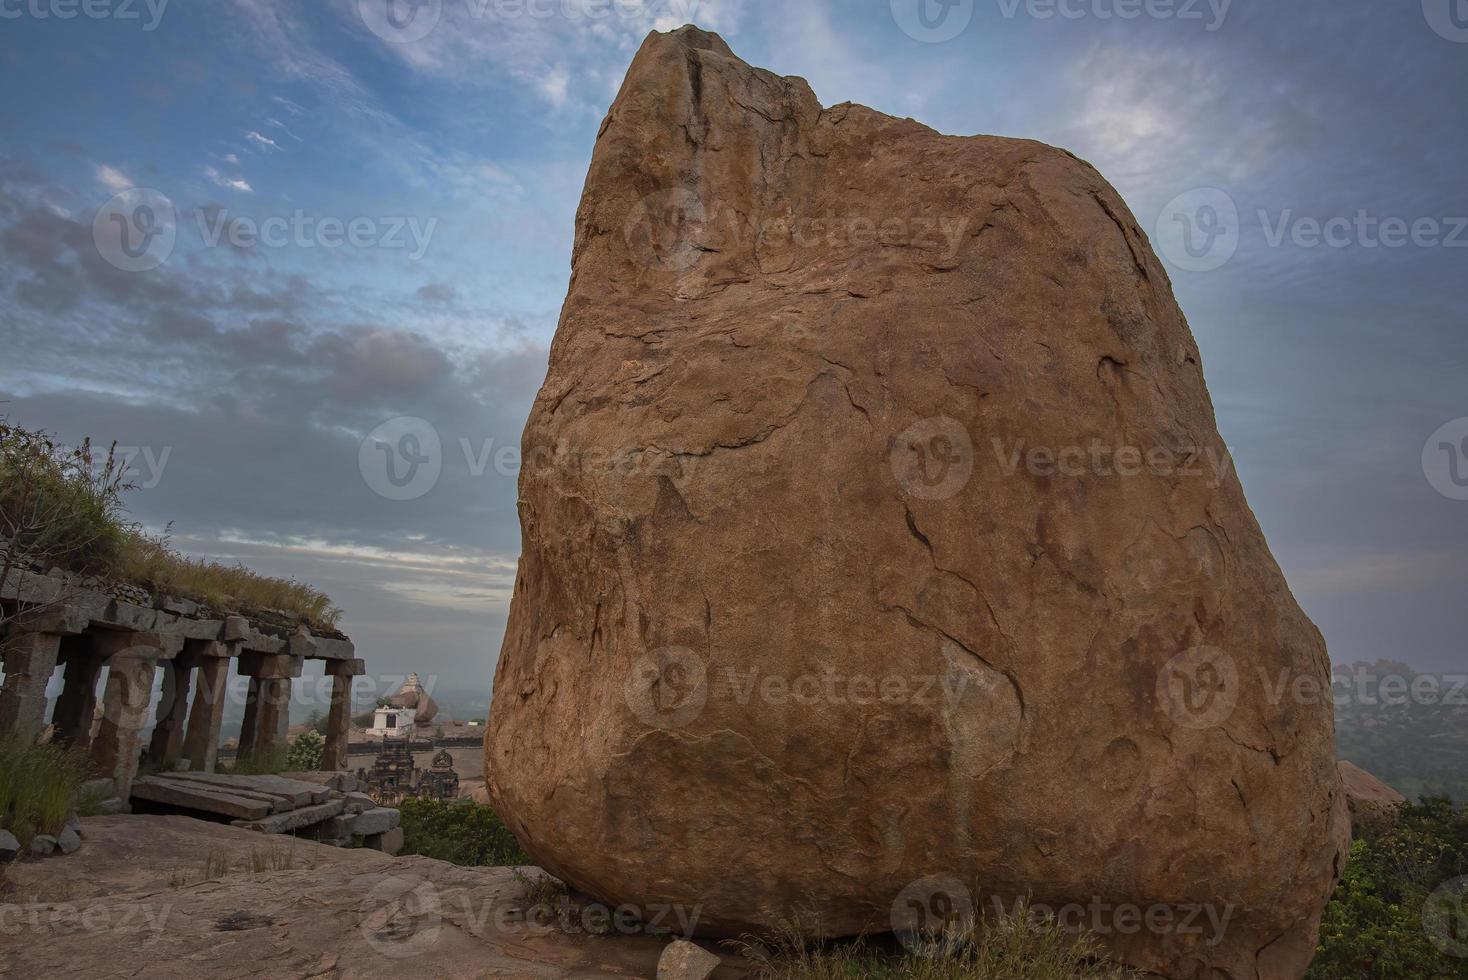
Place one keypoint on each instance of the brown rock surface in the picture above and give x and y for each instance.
(1372, 802)
(135, 902)
(876, 526)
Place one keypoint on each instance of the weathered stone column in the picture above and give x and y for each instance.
(166, 746)
(250, 725)
(72, 719)
(131, 660)
(267, 707)
(201, 744)
(30, 660)
(275, 701)
(339, 720)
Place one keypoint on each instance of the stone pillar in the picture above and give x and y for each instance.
(339, 721)
(119, 740)
(131, 660)
(166, 746)
(267, 709)
(30, 660)
(250, 725)
(72, 719)
(201, 744)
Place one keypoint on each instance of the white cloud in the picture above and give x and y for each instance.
(285, 129)
(1147, 118)
(262, 141)
(553, 86)
(113, 179)
(813, 45)
(232, 183)
(549, 55)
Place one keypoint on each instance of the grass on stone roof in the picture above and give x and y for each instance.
(63, 507)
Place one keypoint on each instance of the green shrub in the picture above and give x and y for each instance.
(306, 751)
(40, 786)
(1372, 929)
(460, 832)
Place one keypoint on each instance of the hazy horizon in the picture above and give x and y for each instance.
(256, 374)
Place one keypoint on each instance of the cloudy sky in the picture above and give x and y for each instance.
(346, 223)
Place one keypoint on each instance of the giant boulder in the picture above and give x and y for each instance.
(881, 556)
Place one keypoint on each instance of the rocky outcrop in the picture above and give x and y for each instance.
(881, 554)
(1372, 803)
(173, 897)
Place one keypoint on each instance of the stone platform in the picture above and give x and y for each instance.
(331, 812)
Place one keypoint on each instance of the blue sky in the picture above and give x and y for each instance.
(253, 371)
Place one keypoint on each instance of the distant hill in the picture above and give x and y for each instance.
(1410, 730)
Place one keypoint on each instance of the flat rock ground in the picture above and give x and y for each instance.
(148, 896)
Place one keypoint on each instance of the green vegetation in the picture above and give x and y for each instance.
(266, 762)
(460, 832)
(61, 507)
(40, 786)
(1019, 946)
(59, 503)
(1373, 928)
(306, 751)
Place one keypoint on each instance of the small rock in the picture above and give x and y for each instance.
(343, 781)
(378, 820)
(683, 960)
(114, 805)
(9, 846)
(43, 844)
(358, 802)
(68, 840)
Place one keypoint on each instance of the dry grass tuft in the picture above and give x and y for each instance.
(150, 562)
(1005, 947)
